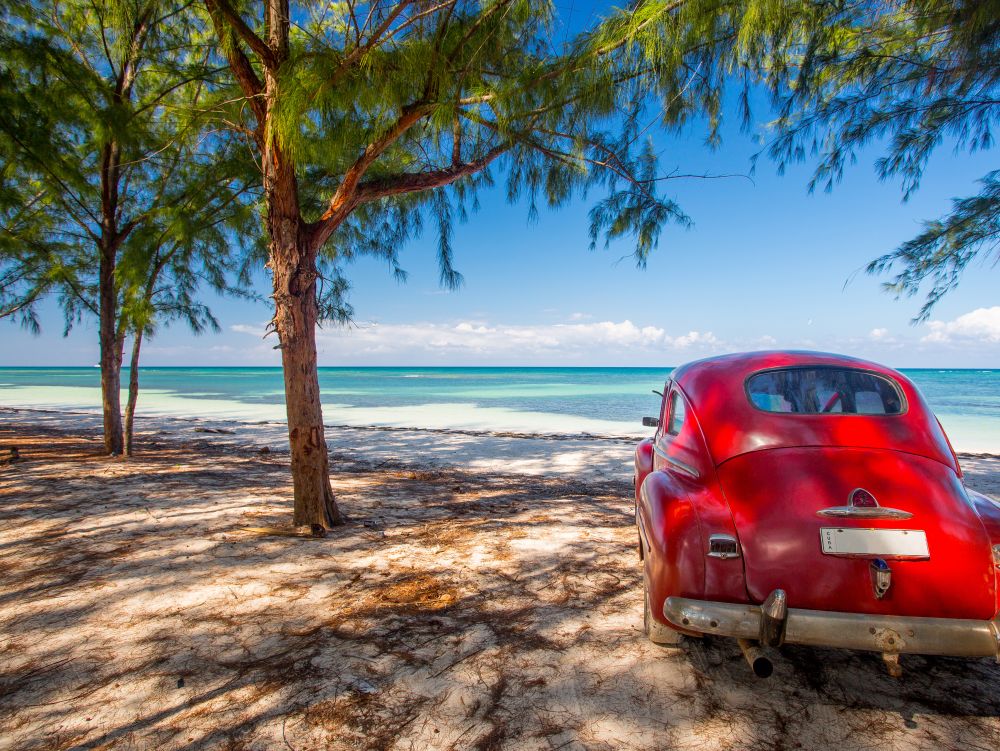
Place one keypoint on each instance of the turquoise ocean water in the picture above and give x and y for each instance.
(533, 400)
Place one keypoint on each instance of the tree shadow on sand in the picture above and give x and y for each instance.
(454, 610)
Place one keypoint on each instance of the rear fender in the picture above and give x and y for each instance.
(686, 459)
(671, 539)
(725, 580)
(989, 515)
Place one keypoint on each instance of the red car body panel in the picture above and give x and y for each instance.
(671, 532)
(775, 495)
(761, 477)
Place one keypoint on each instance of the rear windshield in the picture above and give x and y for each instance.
(824, 390)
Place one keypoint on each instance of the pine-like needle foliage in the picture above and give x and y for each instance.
(395, 114)
(110, 198)
(115, 195)
(107, 157)
(910, 74)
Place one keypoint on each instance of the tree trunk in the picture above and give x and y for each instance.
(293, 266)
(111, 356)
(133, 392)
(294, 269)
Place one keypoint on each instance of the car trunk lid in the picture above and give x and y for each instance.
(776, 496)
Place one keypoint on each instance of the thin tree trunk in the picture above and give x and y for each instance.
(111, 356)
(133, 391)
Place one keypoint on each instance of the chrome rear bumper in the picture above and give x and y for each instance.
(820, 628)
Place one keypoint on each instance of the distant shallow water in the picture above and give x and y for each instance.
(566, 401)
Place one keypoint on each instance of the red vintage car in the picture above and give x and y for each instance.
(809, 498)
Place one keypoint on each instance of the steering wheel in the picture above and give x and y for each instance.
(834, 398)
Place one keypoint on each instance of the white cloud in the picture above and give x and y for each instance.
(971, 340)
(981, 325)
(692, 338)
(471, 340)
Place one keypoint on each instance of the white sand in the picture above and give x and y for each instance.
(142, 608)
(586, 458)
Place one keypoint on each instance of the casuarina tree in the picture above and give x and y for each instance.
(109, 174)
(372, 119)
(201, 242)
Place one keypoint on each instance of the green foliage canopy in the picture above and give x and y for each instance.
(381, 106)
(909, 76)
(106, 152)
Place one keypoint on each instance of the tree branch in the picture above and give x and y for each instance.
(246, 76)
(54, 174)
(26, 302)
(237, 24)
(394, 185)
(376, 35)
(343, 197)
(601, 51)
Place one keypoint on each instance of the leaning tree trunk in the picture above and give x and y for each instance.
(133, 392)
(111, 356)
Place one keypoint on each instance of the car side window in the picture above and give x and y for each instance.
(664, 408)
(675, 420)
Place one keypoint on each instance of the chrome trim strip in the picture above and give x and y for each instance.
(676, 463)
(864, 512)
(957, 637)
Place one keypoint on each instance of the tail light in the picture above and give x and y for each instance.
(723, 546)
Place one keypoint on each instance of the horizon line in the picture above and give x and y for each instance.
(391, 367)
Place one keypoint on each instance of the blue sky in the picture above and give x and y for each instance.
(766, 265)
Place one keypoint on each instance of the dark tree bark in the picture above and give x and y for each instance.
(111, 355)
(133, 392)
(112, 331)
(294, 270)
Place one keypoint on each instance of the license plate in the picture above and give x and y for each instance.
(894, 543)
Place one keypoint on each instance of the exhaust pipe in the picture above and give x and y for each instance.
(756, 659)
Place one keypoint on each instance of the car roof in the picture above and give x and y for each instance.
(715, 388)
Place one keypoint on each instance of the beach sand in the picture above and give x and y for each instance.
(481, 596)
